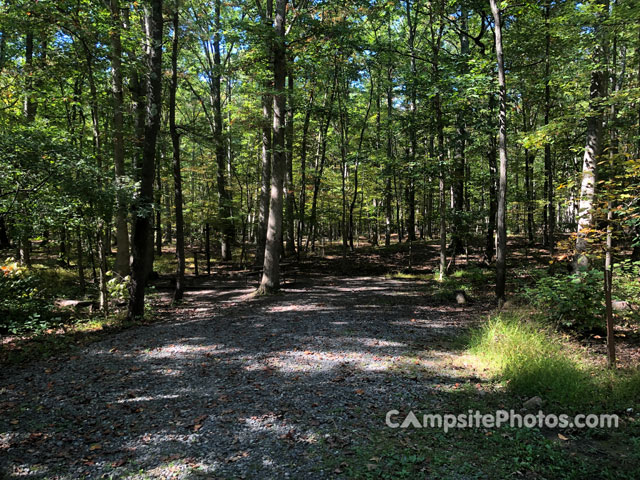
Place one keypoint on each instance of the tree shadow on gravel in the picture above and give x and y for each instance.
(227, 386)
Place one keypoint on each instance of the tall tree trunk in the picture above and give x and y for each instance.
(289, 191)
(158, 207)
(29, 111)
(529, 158)
(102, 262)
(303, 170)
(441, 199)
(388, 167)
(145, 171)
(412, 20)
(457, 246)
(30, 105)
(635, 255)
(320, 161)
(611, 205)
(271, 270)
(597, 92)
(267, 120)
(501, 255)
(97, 151)
(549, 208)
(81, 280)
(122, 230)
(344, 141)
(492, 154)
(355, 172)
(177, 170)
(224, 194)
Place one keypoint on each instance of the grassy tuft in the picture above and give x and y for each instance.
(534, 360)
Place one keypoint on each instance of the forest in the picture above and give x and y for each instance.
(244, 239)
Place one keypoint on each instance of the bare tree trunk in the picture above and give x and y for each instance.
(457, 246)
(30, 105)
(289, 191)
(271, 270)
(322, 154)
(441, 201)
(267, 119)
(529, 158)
(102, 261)
(97, 151)
(388, 167)
(81, 281)
(597, 92)
(412, 24)
(635, 255)
(492, 154)
(122, 230)
(158, 207)
(355, 173)
(501, 256)
(29, 111)
(145, 171)
(303, 171)
(224, 195)
(549, 208)
(177, 172)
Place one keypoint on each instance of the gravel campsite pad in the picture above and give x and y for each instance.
(230, 386)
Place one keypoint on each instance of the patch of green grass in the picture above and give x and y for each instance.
(410, 276)
(533, 360)
(468, 280)
(481, 454)
(165, 264)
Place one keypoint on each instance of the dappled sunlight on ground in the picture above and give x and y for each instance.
(231, 387)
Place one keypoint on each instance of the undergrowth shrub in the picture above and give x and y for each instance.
(24, 306)
(574, 301)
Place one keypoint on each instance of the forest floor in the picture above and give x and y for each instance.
(297, 385)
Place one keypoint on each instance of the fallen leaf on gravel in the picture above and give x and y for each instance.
(118, 463)
(95, 446)
(198, 422)
(238, 456)
(359, 391)
(171, 458)
(288, 435)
